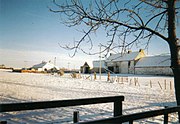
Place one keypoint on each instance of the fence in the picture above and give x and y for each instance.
(132, 117)
(117, 100)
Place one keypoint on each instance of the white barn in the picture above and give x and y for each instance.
(44, 66)
(135, 63)
(124, 63)
(155, 65)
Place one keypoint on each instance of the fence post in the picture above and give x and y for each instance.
(150, 84)
(117, 108)
(170, 85)
(94, 75)
(160, 85)
(130, 81)
(166, 117)
(76, 116)
(165, 84)
(108, 78)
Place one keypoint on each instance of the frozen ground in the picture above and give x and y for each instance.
(142, 93)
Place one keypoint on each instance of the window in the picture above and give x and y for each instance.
(129, 64)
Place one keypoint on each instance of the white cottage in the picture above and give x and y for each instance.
(154, 65)
(44, 66)
(125, 63)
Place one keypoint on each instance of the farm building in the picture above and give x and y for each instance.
(125, 63)
(85, 68)
(96, 66)
(45, 66)
(135, 63)
(156, 65)
(2, 66)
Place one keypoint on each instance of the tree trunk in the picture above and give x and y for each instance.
(175, 65)
(175, 62)
(177, 84)
(174, 45)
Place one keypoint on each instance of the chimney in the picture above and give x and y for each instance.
(129, 51)
(141, 50)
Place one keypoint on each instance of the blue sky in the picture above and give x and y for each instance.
(30, 33)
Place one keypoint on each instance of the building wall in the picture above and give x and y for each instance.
(111, 64)
(124, 67)
(97, 70)
(131, 67)
(40, 69)
(86, 70)
(47, 67)
(119, 67)
(154, 70)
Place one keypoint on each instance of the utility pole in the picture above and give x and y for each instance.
(68, 66)
(100, 63)
(55, 61)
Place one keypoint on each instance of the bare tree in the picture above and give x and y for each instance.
(142, 19)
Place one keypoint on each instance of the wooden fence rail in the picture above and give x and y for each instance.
(117, 100)
(132, 117)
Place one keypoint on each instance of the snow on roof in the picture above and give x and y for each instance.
(126, 57)
(154, 61)
(85, 64)
(41, 65)
(96, 64)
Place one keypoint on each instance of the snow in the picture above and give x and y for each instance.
(126, 57)
(154, 61)
(142, 93)
(96, 64)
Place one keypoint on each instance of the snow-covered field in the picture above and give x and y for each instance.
(142, 93)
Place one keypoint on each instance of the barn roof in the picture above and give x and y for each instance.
(154, 61)
(96, 63)
(85, 65)
(39, 65)
(42, 64)
(126, 57)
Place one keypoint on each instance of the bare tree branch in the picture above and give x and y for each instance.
(154, 3)
(108, 14)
